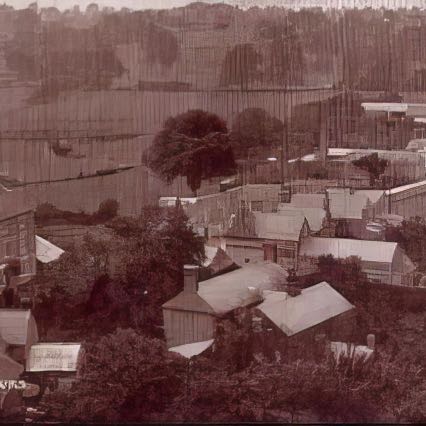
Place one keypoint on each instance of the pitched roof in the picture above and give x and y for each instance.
(226, 292)
(241, 287)
(403, 188)
(307, 200)
(53, 357)
(47, 252)
(188, 302)
(341, 248)
(344, 205)
(416, 144)
(313, 306)
(314, 215)
(274, 226)
(14, 325)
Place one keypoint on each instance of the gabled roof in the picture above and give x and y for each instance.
(274, 226)
(47, 252)
(314, 215)
(241, 287)
(53, 357)
(14, 324)
(307, 200)
(188, 302)
(313, 306)
(341, 248)
(226, 292)
(344, 205)
(403, 188)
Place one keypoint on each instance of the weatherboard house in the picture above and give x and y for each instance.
(382, 262)
(293, 322)
(192, 315)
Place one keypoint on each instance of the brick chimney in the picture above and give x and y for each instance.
(190, 279)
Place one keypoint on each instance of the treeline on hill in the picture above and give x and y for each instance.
(376, 50)
(107, 293)
(48, 214)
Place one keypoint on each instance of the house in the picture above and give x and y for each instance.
(191, 316)
(267, 236)
(292, 323)
(382, 262)
(18, 330)
(17, 242)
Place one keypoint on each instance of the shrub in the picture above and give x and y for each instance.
(108, 209)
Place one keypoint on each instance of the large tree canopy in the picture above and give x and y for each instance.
(254, 127)
(241, 65)
(194, 144)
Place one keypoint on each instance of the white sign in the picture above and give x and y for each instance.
(12, 384)
(53, 357)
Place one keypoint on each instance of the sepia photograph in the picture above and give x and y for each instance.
(213, 211)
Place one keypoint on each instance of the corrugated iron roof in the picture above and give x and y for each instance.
(307, 200)
(313, 306)
(344, 205)
(274, 226)
(53, 357)
(188, 302)
(14, 325)
(314, 215)
(403, 188)
(47, 252)
(227, 292)
(341, 248)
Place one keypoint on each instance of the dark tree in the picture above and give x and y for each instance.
(255, 128)
(240, 66)
(411, 236)
(374, 165)
(194, 144)
(139, 377)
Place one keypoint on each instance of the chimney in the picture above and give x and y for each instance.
(190, 279)
(371, 340)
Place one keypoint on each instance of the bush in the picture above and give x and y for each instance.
(46, 211)
(108, 209)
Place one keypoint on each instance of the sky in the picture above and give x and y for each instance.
(117, 4)
(164, 4)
